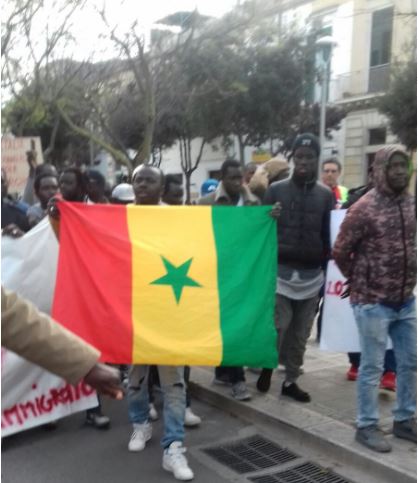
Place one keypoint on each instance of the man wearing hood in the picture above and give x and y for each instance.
(375, 250)
(303, 230)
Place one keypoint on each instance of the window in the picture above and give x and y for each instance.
(377, 136)
(215, 174)
(381, 39)
(178, 177)
(380, 50)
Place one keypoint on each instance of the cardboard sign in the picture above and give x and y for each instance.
(14, 162)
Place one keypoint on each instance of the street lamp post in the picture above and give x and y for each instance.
(326, 45)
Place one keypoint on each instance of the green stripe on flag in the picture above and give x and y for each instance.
(246, 244)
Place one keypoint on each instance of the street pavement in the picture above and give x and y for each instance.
(74, 453)
(321, 431)
(328, 420)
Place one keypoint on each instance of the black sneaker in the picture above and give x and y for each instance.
(406, 429)
(97, 420)
(295, 392)
(264, 380)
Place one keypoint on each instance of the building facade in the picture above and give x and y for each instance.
(371, 36)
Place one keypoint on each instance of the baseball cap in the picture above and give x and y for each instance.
(123, 192)
(209, 186)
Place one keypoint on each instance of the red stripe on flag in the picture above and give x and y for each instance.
(93, 290)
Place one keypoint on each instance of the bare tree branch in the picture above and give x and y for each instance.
(118, 155)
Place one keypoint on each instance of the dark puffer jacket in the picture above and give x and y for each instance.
(375, 248)
(303, 229)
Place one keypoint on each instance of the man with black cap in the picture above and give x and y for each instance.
(303, 237)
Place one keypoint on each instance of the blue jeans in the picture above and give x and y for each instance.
(375, 322)
(174, 393)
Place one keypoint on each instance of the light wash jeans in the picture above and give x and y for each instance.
(174, 394)
(375, 322)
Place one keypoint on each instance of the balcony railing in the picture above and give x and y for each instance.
(379, 78)
(359, 83)
(345, 86)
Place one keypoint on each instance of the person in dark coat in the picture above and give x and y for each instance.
(303, 233)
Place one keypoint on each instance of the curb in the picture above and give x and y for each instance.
(309, 427)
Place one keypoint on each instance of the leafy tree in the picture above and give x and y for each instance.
(190, 108)
(32, 113)
(399, 104)
(307, 120)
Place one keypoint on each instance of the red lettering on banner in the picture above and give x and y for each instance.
(44, 404)
(25, 409)
(86, 390)
(338, 287)
(6, 418)
(335, 288)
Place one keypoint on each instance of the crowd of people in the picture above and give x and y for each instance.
(375, 250)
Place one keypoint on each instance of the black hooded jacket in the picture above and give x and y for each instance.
(303, 228)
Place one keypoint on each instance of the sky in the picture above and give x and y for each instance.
(87, 24)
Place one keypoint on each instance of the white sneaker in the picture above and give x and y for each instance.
(191, 419)
(175, 461)
(153, 415)
(140, 435)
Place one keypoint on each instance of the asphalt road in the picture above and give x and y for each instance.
(76, 453)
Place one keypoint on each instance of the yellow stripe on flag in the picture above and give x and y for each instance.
(175, 301)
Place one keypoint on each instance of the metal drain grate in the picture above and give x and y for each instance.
(304, 473)
(250, 454)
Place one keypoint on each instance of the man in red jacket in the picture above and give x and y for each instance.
(375, 250)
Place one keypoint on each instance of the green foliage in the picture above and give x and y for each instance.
(33, 113)
(399, 104)
(308, 120)
(234, 76)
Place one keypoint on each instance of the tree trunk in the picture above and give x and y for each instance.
(117, 155)
(48, 151)
(188, 176)
(144, 151)
(241, 150)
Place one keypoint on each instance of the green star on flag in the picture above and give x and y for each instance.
(176, 277)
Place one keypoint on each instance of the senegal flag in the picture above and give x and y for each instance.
(169, 285)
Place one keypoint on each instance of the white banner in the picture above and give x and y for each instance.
(32, 396)
(337, 217)
(29, 264)
(339, 330)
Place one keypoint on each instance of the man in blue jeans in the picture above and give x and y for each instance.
(148, 185)
(375, 250)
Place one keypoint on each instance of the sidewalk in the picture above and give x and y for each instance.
(329, 420)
